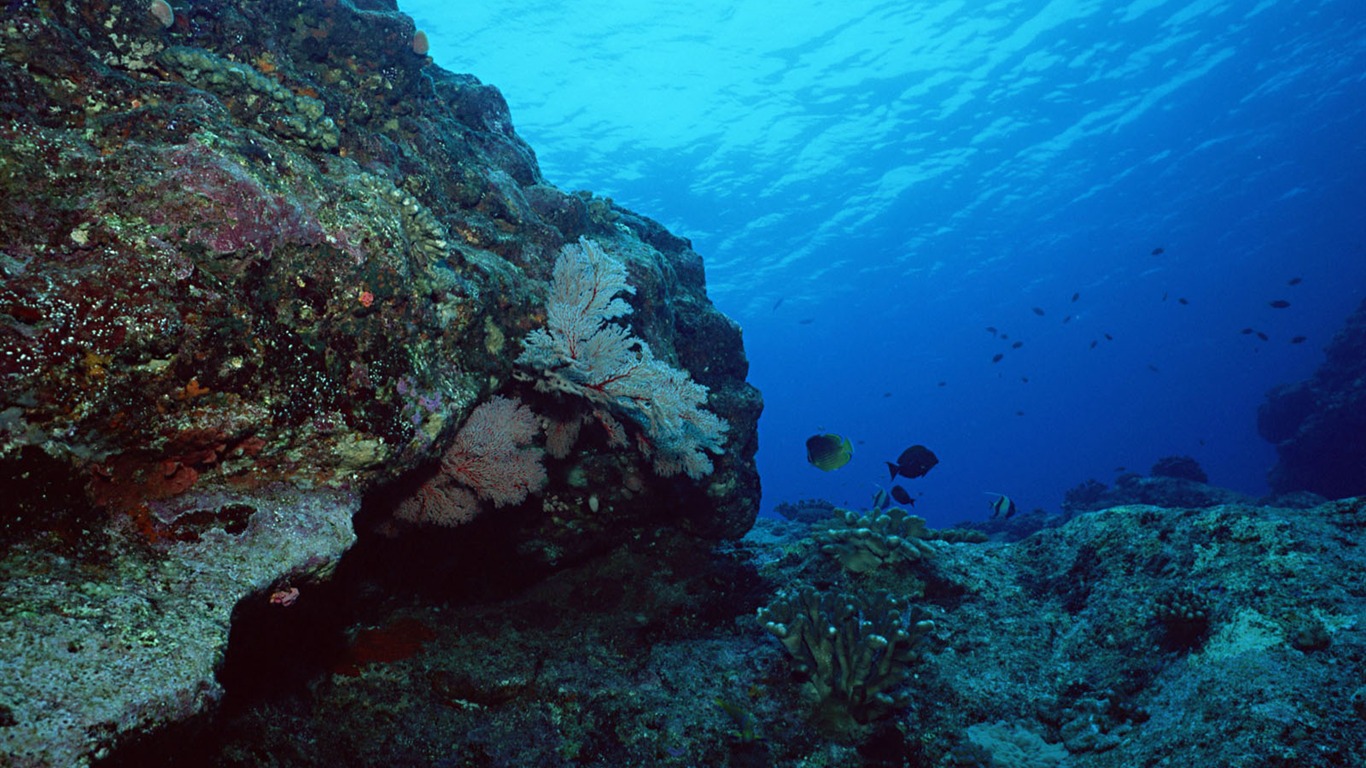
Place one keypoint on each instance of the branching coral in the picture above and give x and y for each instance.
(864, 542)
(1185, 614)
(854, 652)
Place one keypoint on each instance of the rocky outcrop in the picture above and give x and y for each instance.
(1174, 481)
(1132, 636)
(1317, 424)
(260, 263)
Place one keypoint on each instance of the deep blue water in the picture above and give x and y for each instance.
(873, 184)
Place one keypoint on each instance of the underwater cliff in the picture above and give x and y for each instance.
(272, 285)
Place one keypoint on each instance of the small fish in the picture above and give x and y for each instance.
(1005, 336)
(1094, 343)
(1038, 311)
(1120, 469)
(1246, 331)
(1076, 296)
(1279, 304)
(1153, 368)
(886, 394)
(746, 722)
(1019, 413)
(1025, 379)
(1067, 320)
(778, 303)
(828, 452)
(1294, 281)
(1002, 507)
(991, 329)
(1158, 251)
(1299, 340)
(1263, 336)
(902, 496)
(996, 358)
(1164, 295)
(806, 321)
(880, 498)
(1017, 345)
(1182, 301)
(913, 462)
(943, 383)
(1108, 337)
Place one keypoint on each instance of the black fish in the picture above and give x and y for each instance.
(1299, 339)
(902, 496)
(1019, 413)
(1279, 303)
(1067, 320)
(1182, 301)
(1038, 311)
(1246, 331)
(1263, 336)
(996, 358)
(991, 329)
(1017, 345)
(778, 303)
(1025, 379)
(1164, 295)
(913, 462)
(1158, 251)
(1108, 337)
(1076, 296)
(1294, 281)
(1152, 368)
(943, 383)
(1094, 343)
(886, 394)
(1005, 336)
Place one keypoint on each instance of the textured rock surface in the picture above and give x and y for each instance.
(1317, 424)
(1073, 645)
(1069, 648)
(1157, 491)
(101, 647)
(269, 251)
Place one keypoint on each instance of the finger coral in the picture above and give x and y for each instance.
(854, 652)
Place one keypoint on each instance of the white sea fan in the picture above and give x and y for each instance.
(581, 353)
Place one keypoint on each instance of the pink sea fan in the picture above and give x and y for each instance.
(439, 502)
(492, 459)
(492, 455)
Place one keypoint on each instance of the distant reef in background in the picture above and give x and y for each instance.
(1319, 425)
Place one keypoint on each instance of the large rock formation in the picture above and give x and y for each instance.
(261, 261)
(1317, 424)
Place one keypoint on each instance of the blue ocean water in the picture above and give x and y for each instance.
(874, 183)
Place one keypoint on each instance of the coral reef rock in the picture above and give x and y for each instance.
(1158, 490)
(260, 263)
(1223, 636)
(1317, 424)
